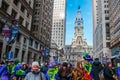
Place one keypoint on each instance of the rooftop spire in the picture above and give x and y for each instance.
(79, 19)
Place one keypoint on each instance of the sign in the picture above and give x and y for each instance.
(10, 55)
(14, 33)
(7, 33)
(47, 52)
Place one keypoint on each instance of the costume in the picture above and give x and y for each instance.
(87, 67)
(53, 70)
(19, 73)
(4, 73)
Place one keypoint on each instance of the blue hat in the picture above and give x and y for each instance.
(52, 64)
(87, 57)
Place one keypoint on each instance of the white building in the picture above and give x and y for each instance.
(55, 52)
(101, 30)
(59, 23)
(74, 52)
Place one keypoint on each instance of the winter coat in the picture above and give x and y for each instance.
(3, 73)
(35, 76)
(77, 75)
(108, 74)
(118, 73)
(51, 74)
(19, 70)
(44, 69)
(96, 68)
(63, 74)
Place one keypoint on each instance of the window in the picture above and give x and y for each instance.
(28, 14)
(36, 45)
(36, 20)
(18, 37)
(106, 18)
(27, 25)
(13, 14)
(21, 20)
(35, 27)
(16, 52)
(107, 24)
(30, 42)
(22, 8)
(107, 44)
(16, 2)
(106, 11)
(24, 40)
(23, 53)
(1, 26)
(37, 4)
(29, 2)
(37, 11)
(4, 6)
(107, 31)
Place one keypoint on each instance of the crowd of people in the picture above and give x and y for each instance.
(86, 69)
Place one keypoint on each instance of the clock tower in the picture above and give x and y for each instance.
(78, 35)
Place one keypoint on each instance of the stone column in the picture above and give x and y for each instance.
(26, 51)
(3, 48)
(21, 46)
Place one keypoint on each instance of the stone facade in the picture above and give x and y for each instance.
(28, 45)
(114, 14)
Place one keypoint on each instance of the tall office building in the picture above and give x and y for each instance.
(101, 29)
(42, 22)
(59, 23)
(114, 14)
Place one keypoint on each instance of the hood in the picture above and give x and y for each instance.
(96, 62)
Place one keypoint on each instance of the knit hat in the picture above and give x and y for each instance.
(35, 64)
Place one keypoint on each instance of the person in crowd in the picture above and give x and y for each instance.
(35, 74)
(78, 72)
(10, 68)
(19, 73)
(25, 68)
(109, 72)
(59, 65)
(101, 73)
(3, 72)
(44, 68)
(118, 72)
(96, 68)
(88, 67)
(29, 68)
(63, 72)
(52, 72)
(70, 68)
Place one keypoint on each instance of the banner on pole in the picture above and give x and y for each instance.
(14, 33)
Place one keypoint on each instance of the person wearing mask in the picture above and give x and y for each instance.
(108, 72)
(35, 74)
